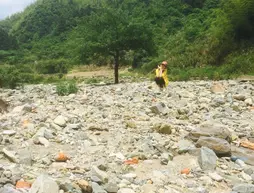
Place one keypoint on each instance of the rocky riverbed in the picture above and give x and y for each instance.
(194, 137)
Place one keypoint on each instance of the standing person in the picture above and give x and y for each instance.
(161, 78)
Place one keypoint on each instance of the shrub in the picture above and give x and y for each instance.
(66, 88)
(9, 77)
(92, 81)
(52, 66)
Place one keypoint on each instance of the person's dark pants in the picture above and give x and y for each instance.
(160, 82)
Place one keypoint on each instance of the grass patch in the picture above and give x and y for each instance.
(66, 87)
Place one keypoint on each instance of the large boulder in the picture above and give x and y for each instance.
(207, 159)
(210, 129)
(220, 146)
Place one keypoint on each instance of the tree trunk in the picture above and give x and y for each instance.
(116, 58)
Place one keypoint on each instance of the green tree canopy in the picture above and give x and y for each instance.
(116, 27)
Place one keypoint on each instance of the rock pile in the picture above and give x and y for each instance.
(193, 137)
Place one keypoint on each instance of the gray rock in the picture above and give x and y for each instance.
(8, 189)
(43, 141)
(7, 174)
(165, 157)
(207, 159)
(215, 176)
(4, 181)
(75, 126)
(11, 155)
(48, 134)
(55, 126)
(240, 163)
(18, 109)
(210, 129)
(252, 176)
(25, 157)
(218, 101)
(246, 177)
(99, 173)
(160, 108)
(201, 190)
(220, 146)
(111, 188)
(129, 176)
(244, 188)
(184, 146)
(97, 188)
(239, 97)
(96, 179)
(44, 184)
(246, 155)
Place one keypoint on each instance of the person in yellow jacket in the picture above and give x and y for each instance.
(161, 78)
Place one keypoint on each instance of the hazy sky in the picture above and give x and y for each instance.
(8, 7)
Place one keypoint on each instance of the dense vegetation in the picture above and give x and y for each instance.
(199, 38)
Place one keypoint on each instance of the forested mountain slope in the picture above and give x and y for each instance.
(187, 33)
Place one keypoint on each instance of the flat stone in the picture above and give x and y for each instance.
(210, 129)
(9, 132)
(11, 155)
(44, 184)
(129, 176)
(215, 176)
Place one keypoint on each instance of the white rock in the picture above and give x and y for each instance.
(129, 176)
(43, 141)
(246, 176)
(240, 163)
(9, 132)
(44, 184)
(248, 101)
(215, 176)
(60, 120)
(125, 190)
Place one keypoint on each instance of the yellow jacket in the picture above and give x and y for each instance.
(163, 74)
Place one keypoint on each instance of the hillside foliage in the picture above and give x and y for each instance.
(50, 36)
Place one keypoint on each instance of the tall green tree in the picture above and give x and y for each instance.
(116, 27)
(7, 42)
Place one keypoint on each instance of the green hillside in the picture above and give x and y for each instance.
(198, 38)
